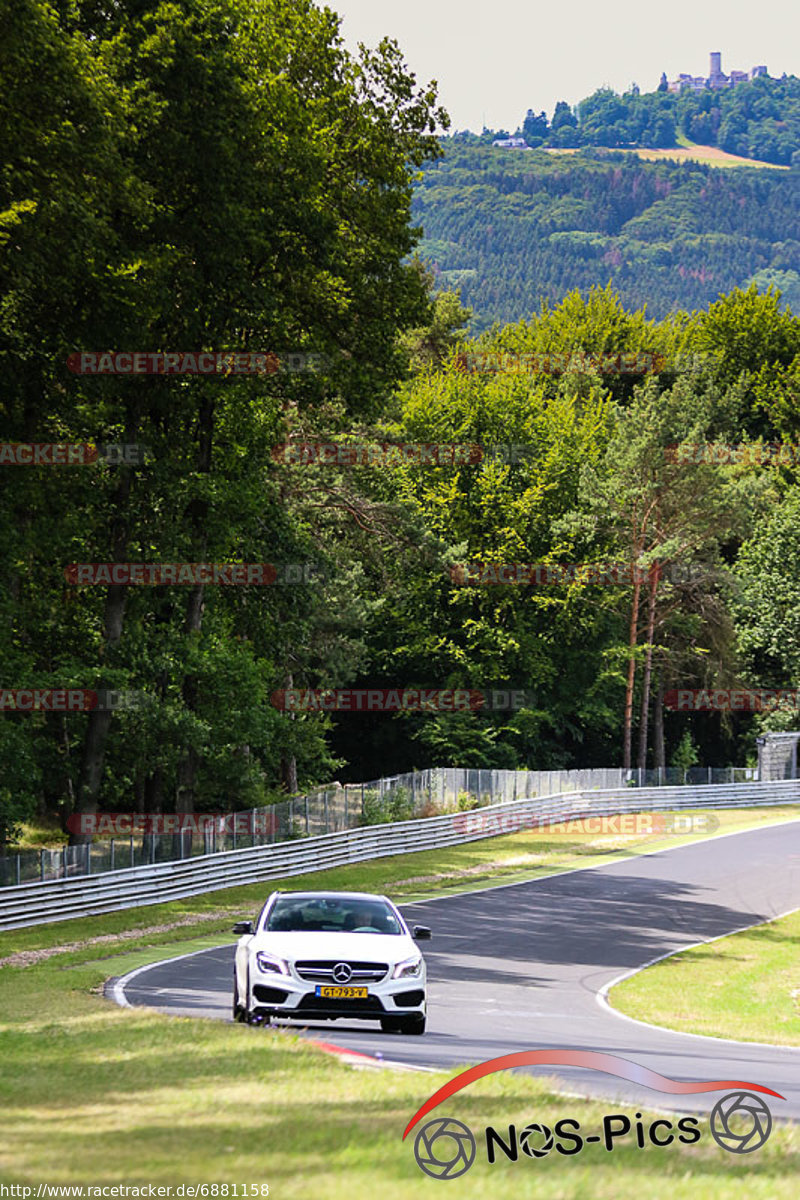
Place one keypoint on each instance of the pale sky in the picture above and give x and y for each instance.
(496, 60)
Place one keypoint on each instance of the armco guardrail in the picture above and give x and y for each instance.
(331, 810)
(41, 903)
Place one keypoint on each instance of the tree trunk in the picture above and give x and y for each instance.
(289, 761)
(658, 722)
(94, 747)
(655, 574)
(198, 512)
(628, 722)
(289, 774)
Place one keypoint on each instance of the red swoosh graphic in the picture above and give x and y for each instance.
(594, 1060)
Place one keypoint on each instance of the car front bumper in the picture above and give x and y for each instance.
(285, 996)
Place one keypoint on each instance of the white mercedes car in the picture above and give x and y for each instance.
(325, 955)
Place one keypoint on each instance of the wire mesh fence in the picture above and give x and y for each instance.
(338, 807)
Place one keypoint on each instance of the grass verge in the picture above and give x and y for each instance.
(745, 987)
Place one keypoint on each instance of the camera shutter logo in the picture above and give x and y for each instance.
(536, 1141)
(342, 973)
(740, 1122)
(444, 1148)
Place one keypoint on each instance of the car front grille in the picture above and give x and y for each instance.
(321, 971)
(343, 1008)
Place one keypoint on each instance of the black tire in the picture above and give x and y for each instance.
(413, 1025)
(238, 1011)
(246, 1016)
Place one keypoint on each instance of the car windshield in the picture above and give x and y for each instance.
(319, 914)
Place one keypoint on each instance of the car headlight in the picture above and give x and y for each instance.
(270, 962)
(410, 967)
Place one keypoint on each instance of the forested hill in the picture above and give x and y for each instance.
(511, 228)
(757, 119)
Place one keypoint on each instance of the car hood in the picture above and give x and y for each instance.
(347, 947)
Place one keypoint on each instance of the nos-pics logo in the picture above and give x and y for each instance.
(446, 1148)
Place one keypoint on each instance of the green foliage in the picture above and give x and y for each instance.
(767, 606)
(194, 176)
(398, 805)
(225, 175)
(685, 754)
(466, 803)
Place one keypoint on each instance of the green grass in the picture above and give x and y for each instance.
(746, 987)
(38, 835)
(95, 1094)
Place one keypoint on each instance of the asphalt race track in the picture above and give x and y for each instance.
(521, 967)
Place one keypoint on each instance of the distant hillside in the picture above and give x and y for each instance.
(511, 228)
(758, 119)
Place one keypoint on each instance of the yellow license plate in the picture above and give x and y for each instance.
(341, 993)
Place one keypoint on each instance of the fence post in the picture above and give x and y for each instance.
(41, 864)
(17, 872)
(88, 858)
(111, 868)
(346, 814)
(709, 774)
(132, 857)
(64, 861)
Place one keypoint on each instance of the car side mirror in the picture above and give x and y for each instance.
(243, 927)
(421, 933)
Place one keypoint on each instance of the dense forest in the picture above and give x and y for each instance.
(758, 119)
(510, 228)
(269, 210)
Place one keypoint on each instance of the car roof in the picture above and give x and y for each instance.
(332, 895)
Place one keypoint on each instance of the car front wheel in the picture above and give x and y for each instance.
(237, 1010)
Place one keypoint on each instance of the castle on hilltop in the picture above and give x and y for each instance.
(715, 78)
